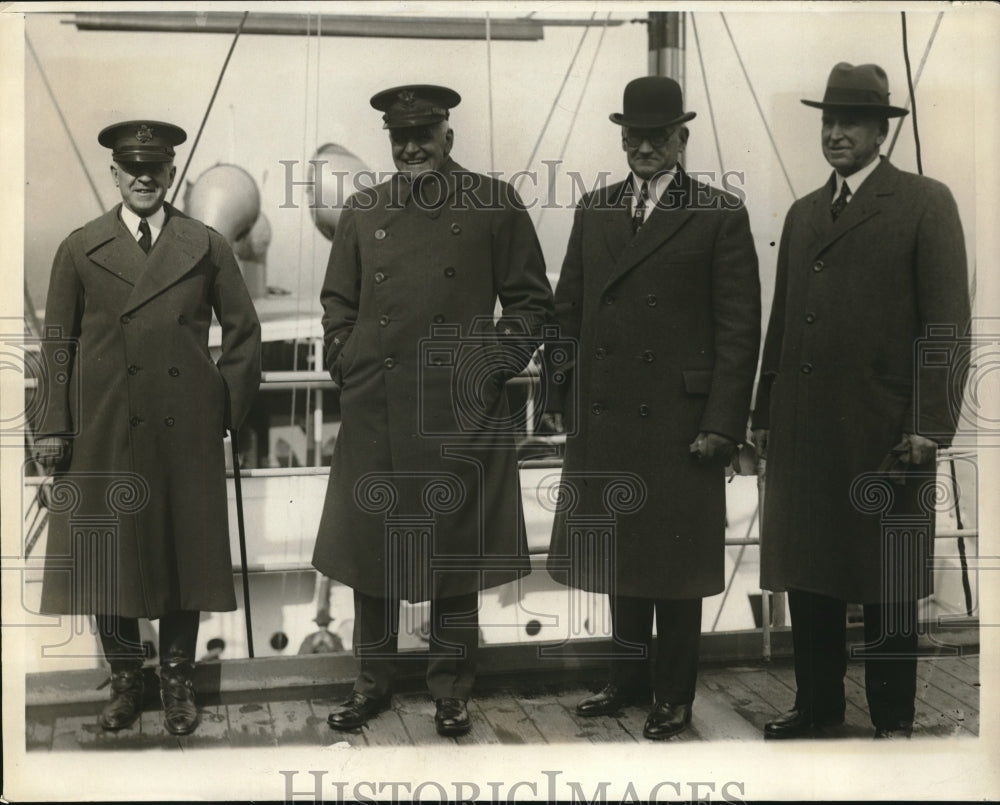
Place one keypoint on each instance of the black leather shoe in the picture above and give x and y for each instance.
(180, 713)
(667, 720)
(452, 717)
(126, 700)
(800, 724)
(357, 711)
(902, 731)
(610, 700)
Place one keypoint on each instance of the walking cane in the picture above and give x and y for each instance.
(243, 537)
(765, 596)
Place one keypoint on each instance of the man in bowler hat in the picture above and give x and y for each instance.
(134, 420)
(423, 434)
(660, 289)
(867, 264)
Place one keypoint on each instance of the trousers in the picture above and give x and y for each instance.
(124, 650)
(454, 641)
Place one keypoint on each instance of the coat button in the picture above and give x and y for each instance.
(173, 371)
(434, 214)
(456, 229)
(388, 363)
(438, 319)
(449, 272)
(810, 318)
(651, 300)
(182, 319)
(818, 265)
(648, 356)
(643, 410)
(600, 353)
(806, 368)
(379, 234)
(608, 299)
(597, 408)
(169, 421)
(133, 369)
(126, 319)
(379, 277)
(383, 320)
(135, 421)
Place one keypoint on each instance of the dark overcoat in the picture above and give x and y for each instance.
(138, 524)
(840, 384)
(667, 324)
(424, 497)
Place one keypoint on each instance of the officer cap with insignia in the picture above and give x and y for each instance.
(414, 105)
(142, 140)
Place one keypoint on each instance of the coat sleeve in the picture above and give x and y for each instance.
(560, 377)
(942, 290)
(521, 285)
(239, 363)
(341, 291)
(736, 322)
(771, 358)
(63, 315)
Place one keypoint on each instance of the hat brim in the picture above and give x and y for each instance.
(412, 122)
(879, 109)
(140, 156)
(649, 121)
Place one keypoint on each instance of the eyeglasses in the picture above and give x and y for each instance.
(655, 137)
(418, 134)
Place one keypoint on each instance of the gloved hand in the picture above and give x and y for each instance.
(713, 447)
(912, 449)
(551, 422)
(49, 451)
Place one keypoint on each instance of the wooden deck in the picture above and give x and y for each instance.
(733, 703)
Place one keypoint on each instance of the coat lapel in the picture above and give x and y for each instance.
(866, 203)
(672, 213)
(108, 244)
(181, 245)
(617, 219)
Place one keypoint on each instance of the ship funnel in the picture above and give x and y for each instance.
(335, 174)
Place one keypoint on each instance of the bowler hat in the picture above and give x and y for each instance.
(414, 104)
(864, 88)
(142, 140)
(650, 102)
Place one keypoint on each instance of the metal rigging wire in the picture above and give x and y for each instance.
(916, 80)
(489, 84)
(708, 96)
(552, 108)
(218, 83)
(760, 111)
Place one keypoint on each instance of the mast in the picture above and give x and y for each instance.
(665, 32)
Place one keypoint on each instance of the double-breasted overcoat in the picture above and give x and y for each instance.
(424, 497)
(667, 327)
(138, 522)
(842, 379)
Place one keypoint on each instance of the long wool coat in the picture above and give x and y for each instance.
(424, 498)
(839, 387)
(668, 330)
(138, 524)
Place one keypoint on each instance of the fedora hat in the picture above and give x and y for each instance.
(650, 102)
(864, 88)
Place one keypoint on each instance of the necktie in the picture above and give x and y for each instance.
(639, 214)
(840, 202)
(145, 236)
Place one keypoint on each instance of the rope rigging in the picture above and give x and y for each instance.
(913, 98)
(708, 96)
(916, 81)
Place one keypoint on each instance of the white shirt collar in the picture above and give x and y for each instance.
(156, 222)
(856, 179)
(657, 187)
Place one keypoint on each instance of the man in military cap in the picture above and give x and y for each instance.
(867, 263)
(426, 434)
(660, 288)
(134, 422)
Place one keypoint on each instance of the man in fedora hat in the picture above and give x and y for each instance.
(135, 412)
(846, 418)
(417, 266)
(659, 287)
